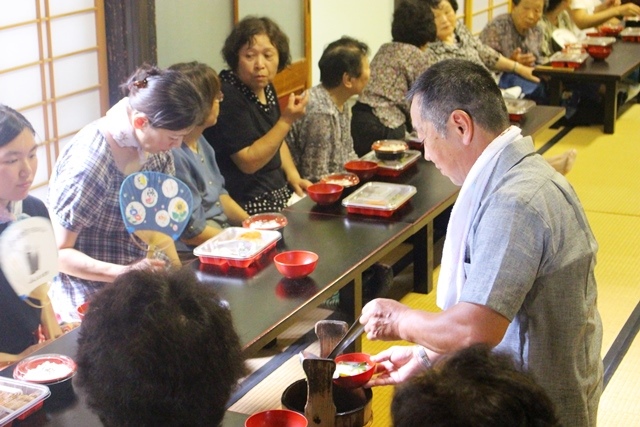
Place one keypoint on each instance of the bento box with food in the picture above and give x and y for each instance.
(237, 247)
(379, 198)
(517, 108)
(631, 34)
(569, 59)
(393, 167)
(631, 21)
(20, 399)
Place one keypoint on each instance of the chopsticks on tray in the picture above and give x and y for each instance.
(561, 69)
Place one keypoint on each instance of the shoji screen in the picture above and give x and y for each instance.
(479, 12)
(53, 69)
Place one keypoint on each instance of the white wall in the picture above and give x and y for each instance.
(366, 20)
(192, 30)
(196, 30)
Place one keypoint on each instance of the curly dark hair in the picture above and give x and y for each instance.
(158, 348)
(244, 32)
(413, 23)
(473, 387)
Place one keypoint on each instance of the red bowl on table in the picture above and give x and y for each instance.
(296, 264)
(266, 221)
(82, 309)
(610, 30)
(56, 371)
(346, 179)
(389, 149)
(358, 362)
(325, 194)
(276, 418)
(599, 52)
(363, 168)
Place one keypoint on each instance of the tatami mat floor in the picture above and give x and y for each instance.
(606, 177)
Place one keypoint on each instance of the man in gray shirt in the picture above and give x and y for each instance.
(517, 270)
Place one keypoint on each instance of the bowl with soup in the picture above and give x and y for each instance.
(353, 370)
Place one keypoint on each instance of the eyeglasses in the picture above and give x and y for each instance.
(219, 97)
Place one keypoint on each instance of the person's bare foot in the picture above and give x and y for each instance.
(563, 163)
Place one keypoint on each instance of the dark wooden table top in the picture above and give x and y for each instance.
(624, 58)
(540, 118)
(346, 246)
(433, 191)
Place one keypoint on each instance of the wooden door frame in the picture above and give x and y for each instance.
(131, 40)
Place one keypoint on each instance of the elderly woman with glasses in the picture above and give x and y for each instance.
(456, 41)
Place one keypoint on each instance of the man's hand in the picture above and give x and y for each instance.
(380, 319)
(395, 365)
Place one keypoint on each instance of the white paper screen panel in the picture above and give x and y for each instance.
(75, 73)
(59, 7)
(19, 46)
(77, 111)
(12, 11)
(50, 69)
(21, 87)
(73, 33)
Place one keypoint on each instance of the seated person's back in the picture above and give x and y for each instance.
(158, 348)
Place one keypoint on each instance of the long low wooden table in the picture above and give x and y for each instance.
(624, 59)
(265, 304)
(435, 193)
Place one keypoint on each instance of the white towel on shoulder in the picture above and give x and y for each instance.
(452, 276)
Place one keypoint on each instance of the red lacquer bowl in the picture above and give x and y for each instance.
(358, 380)
(610, 30)
(40, 369)
(363, 168)
(599, 52)
(276, 418)
(296, 264)
(325, 194)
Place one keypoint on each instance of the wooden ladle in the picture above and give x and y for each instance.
(329, 333)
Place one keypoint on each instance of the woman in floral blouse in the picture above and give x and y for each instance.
(381, 111)
(456, 41)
